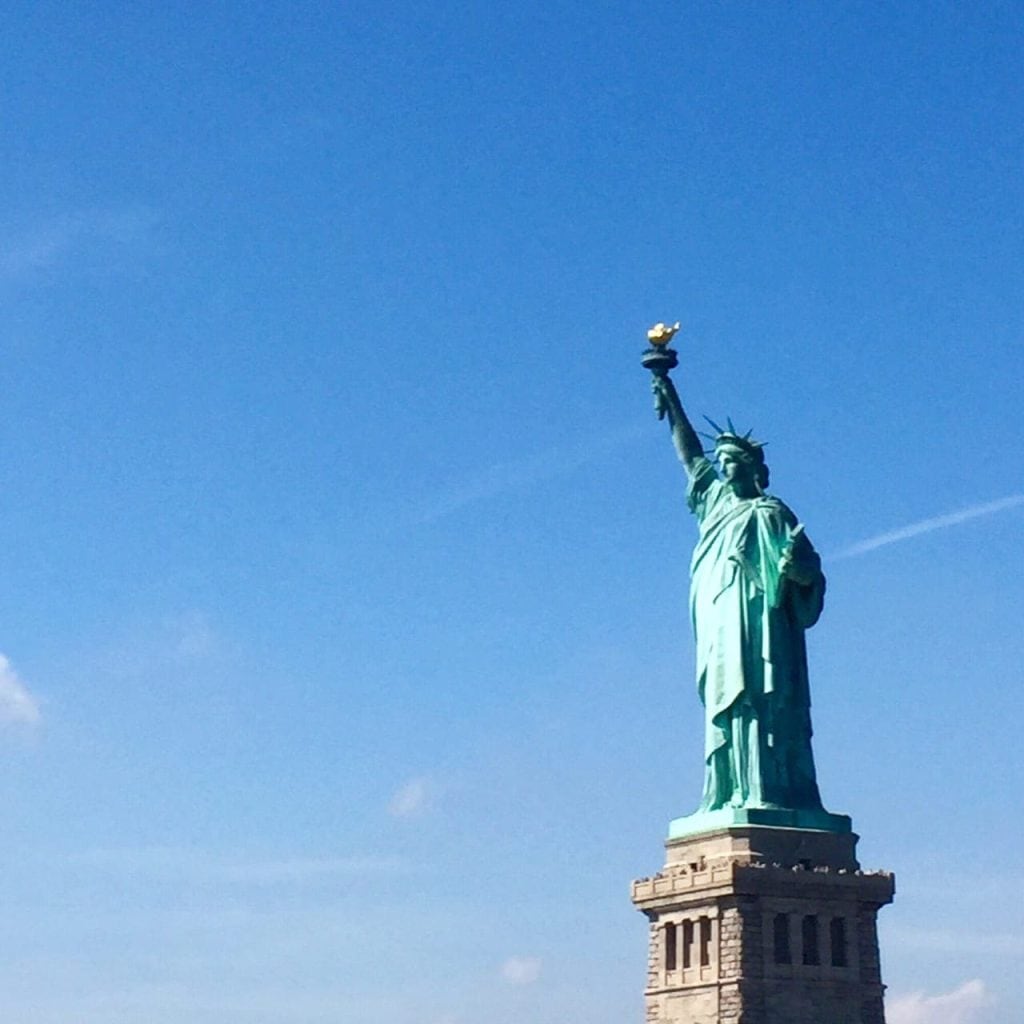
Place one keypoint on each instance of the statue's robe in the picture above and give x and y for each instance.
(749, 623)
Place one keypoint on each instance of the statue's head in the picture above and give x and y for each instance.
(742, 461)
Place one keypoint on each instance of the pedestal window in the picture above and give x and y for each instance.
(837, 937)
(780, 937)
(809, 934)
(671, 951)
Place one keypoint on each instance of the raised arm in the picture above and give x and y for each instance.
(666, 403)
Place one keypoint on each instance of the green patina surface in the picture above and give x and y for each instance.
(756, 586)
(710, 821)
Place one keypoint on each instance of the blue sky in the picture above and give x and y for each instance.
(348, 674)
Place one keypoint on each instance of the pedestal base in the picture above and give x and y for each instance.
(763, 925)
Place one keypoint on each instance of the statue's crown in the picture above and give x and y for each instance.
(727, 439)
(731, 438)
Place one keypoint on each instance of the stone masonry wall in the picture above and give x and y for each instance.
(872, 1004)
(745, 982)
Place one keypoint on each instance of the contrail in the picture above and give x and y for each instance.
(511, 476)
(927, 525)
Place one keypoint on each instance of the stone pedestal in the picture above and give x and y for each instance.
(760, 925)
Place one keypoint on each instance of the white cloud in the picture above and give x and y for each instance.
(521, 970)
(964, 1005)
(50, 241)
(16, 703)
(411, 799)
(881, 540)
(177, 642)
(192, 636)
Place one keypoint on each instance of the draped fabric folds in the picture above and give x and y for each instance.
(749, 622)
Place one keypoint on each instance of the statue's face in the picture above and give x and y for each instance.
(732, 467)
(736, 471)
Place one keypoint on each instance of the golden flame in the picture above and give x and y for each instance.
(661, 334)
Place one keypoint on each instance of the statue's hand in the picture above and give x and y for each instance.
(798, 570)
(802, 574)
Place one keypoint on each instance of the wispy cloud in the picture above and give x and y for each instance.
(964, 515)
(947, 940)
(519, 474)
(964, 1005)
(177, 641)
(412, 798)
(192, 636)
(215, 867)
(521, 970)
(17, 705)
(57, 238)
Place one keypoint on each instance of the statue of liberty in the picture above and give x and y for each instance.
(756, 585)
